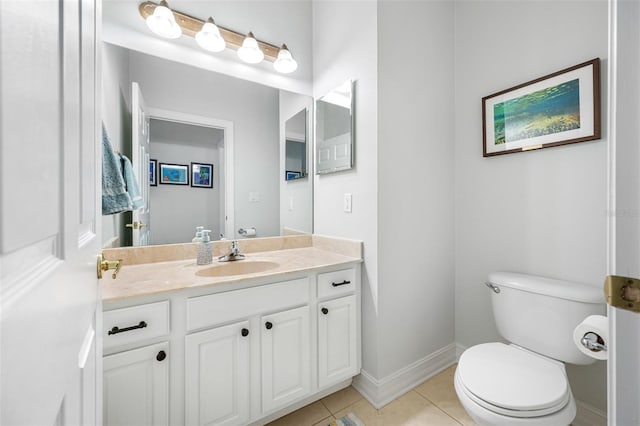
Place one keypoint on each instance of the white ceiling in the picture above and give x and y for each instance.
(275, 22)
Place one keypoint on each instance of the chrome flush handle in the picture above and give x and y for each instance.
(493, 287)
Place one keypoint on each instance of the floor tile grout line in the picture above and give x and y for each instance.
(438, 407)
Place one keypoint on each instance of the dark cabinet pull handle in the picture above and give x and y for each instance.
(345, 282)
(268, 325)
(245, 332)
(325, 311)
(161, 356)
(116, 330)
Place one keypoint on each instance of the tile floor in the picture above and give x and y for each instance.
(432, 403)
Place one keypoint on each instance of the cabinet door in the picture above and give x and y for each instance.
(217, 376)
(337, 340)
(136, 387)
(286, 370)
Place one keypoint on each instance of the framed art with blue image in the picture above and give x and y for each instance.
(174, 174)
(201, 175)
(153, 172)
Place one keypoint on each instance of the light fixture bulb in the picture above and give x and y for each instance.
(285, 62)
(209, 37)
(250, 51)
(163, 23)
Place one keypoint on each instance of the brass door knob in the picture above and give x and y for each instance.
(136, 225)
(105, 265)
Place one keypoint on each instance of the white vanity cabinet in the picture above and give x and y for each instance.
(285, 356)
(242, 354)
(136, 387)
(217, 370)
(338, 327)
(337, 340)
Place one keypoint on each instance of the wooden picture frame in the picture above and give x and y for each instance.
(557, 109)
(173, 174)
(201, 175)
(153, 172)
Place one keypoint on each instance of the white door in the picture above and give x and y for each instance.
(217, 373)
(337, 340)
(286, 374)
(624, 217)
(136, 387)
(50, 234)
(140, 225)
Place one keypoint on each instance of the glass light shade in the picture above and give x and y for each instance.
(209, 37)
(284, 62)
(250, 51)
(163, 23)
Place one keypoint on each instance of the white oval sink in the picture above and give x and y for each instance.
(238, 267)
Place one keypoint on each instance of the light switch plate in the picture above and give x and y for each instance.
(347, 202)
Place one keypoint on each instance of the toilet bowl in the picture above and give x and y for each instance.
(525, 382)
(500, 384)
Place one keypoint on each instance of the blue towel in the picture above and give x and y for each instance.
(114, 194)
(131, 183)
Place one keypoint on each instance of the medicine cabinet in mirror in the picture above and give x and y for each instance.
(334, 129)
(296, 146)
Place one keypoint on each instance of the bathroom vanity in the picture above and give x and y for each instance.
(230, 343)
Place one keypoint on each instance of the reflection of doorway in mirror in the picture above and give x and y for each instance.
(176, 209)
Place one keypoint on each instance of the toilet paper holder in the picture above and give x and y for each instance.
(593, 342)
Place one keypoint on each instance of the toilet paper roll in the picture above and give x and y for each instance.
(597, 324)
(247, 232)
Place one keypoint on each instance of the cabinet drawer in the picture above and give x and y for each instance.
(137, 323)
(336, 283)
(206, 311)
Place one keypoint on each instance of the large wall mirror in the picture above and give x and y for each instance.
(295, 131)
(186, 105)
(334, 129)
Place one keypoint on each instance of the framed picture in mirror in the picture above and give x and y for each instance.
(201, 175)
(174, 174)
(153, 172)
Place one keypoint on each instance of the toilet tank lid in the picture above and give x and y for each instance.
(569, 290)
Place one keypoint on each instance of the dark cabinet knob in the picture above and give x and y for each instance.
(325, 311)
(245, 332)
(161, 356)
(268, 325)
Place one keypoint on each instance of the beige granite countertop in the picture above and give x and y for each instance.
(154, 277)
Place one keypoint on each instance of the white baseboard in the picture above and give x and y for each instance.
(588, 415)
(459, 349)
(383, 391)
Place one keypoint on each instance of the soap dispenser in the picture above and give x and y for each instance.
(198, 236)
(205, 249)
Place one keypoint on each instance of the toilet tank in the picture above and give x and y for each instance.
(539, 313)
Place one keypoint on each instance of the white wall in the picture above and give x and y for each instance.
(415, 181)
(177, 209)
(252, 108)
(116, 116)
(340, 53)
(299, 192)
(541, 212)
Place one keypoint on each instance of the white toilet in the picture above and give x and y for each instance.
(525, 382)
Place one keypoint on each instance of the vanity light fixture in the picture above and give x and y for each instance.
(249, 48)
(209, 37)
(285, 62)
(163, 23)
(249, 51)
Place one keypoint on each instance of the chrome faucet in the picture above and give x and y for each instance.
(234, 254)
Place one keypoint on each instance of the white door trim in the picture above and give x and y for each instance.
(227, 127)
(623, 382)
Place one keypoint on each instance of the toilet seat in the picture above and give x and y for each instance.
(512, 381)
